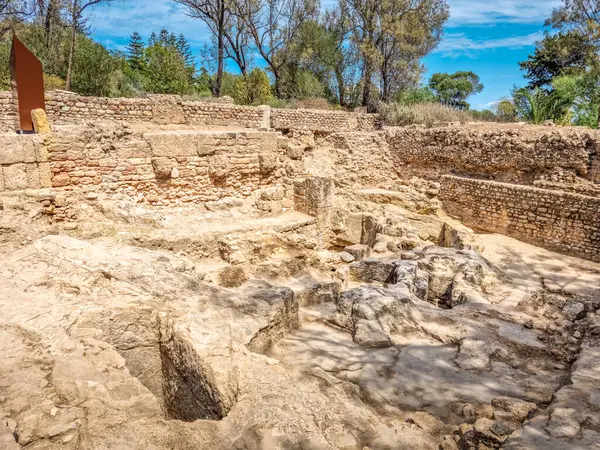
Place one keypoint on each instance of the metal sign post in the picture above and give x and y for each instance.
(28, 76)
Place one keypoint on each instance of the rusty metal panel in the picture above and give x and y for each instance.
(27, 72)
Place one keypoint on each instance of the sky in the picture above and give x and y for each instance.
(488, 37)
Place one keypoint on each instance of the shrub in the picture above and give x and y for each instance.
(395, 114)
(52, 82)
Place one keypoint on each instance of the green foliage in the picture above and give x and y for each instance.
(52, 82)
(536, 106)
(93, 67)
(135, 52)
(165, 71)
(251, 89)
(454, 89)
(413, 95)
(583, 93)
(506, 111)
(562, 54)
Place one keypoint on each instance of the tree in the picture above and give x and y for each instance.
(454, 89)
(536, 105)
(214, 14)
(77, 8)
(392, 35)
(565, 53)
(135, 52)
(165, 70)
(273, 26)
(13, 12)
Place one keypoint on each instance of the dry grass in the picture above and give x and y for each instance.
(396, 114)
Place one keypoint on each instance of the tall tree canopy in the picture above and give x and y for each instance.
(454, 89)
(565, 53)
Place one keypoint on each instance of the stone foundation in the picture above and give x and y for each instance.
(560, 221)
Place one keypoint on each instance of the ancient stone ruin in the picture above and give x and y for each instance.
(188, 275)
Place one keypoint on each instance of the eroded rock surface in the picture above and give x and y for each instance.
(134, 327)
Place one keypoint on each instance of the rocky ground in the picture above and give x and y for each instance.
(223, 328)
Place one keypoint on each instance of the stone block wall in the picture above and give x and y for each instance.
(67, 107)
(161, 168)
(24, 163)
(321, 120)
(560, 221)
(216, 114)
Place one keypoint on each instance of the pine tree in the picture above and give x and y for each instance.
(135, 52)
(186, 53)
(153, 39)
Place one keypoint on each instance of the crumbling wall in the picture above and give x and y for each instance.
(561, 221)
(510, 153)
(162, 168)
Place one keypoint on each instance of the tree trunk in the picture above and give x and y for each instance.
(277, 83)
(367, 82)
(221, 49)
(341, 88)
(72, 51)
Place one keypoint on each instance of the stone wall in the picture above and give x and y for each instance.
(215, 114)
(65, 107)
(321, 120)
(560, 221)
(161, 168)
(504, 153)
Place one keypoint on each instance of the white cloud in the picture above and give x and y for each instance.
(121, 19)
(477, 12)
(455, 44)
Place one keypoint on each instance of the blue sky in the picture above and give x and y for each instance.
(488, 37)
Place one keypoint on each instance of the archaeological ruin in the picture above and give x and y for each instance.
(200, 275)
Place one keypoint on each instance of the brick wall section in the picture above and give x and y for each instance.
(215, 114)
(162, 168)
(322, 121)
(67, 107)
(560, 221)
(510, 154)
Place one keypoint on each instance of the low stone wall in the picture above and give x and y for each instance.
(215, 114)
(161, 168)
(560, 221)
(65, 107)
(322, 121)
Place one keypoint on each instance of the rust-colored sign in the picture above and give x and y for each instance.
(27, 73)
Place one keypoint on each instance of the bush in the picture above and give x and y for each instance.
(395, 114)
(52, 82)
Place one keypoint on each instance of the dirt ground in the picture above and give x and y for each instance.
(147, 328)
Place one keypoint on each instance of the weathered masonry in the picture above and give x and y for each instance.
(561, 221)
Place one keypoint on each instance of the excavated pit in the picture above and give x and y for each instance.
(163, 362)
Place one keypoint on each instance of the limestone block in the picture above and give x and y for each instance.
(167, 109)
(162, 168)
(40, 121)
(295, 152)
(358, 251)
(45, 174)
(17, 149)
(15, 177)
(274, 193)
(267, 163)
(171, 144)
(219, 166)
(1, 180)
(33, 176)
